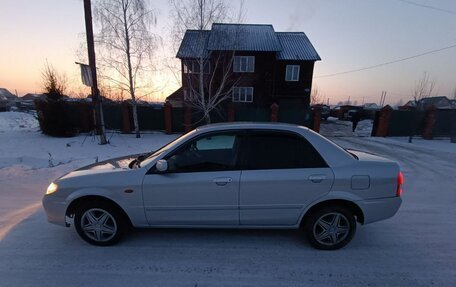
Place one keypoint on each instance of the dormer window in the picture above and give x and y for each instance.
(244, 64)
(292, 73)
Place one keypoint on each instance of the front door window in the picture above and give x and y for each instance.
(208, 153)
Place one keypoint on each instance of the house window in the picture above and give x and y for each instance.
(292, 73)
(244, 64)
(193, 67)
(243, 94)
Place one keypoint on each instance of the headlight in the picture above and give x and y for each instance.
(52, 188)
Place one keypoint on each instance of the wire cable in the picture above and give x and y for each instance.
(427, 6)
(386, 63)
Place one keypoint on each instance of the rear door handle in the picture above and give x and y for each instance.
(317, 178)
(222, 180)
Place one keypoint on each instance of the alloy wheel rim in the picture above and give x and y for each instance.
(98, 224)
(331, 228)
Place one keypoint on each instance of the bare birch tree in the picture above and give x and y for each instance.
(196, 15)
(206, 90)
(423, 88)
(316, 96)
(125, 43)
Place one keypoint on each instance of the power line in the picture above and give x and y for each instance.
(428, 6)
(386, 63)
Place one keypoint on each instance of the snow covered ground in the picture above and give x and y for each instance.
(336, 128)
(417, 247)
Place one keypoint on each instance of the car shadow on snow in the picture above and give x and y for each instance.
(35, 230)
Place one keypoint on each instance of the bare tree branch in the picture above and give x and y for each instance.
(124, 44)
(424, 87)
(205, 90)
(53, 83)
(316, 97)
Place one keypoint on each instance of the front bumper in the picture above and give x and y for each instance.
(379, 209)
(55, 210)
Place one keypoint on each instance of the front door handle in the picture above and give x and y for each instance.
(317, 178)
(222, 180)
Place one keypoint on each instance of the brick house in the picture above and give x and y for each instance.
(264, 66)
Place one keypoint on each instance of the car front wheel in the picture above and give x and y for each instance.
(99, 223)
(330, 228)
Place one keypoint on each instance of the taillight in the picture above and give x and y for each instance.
(400, 181)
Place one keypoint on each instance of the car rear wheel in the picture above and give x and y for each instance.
(330, 228)
(99, 223)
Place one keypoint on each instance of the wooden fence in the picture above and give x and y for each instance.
(118, 116)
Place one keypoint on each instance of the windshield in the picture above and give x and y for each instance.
(165, 148)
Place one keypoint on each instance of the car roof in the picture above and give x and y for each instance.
(250, 125)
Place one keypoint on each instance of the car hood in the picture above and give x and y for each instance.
(111, 164)
(95, 173)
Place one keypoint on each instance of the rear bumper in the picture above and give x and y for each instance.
(379, 209)
(55, 210)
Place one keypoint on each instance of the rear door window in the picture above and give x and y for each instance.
(279, 150)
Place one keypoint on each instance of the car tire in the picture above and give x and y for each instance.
(330, 228)
(100, 223)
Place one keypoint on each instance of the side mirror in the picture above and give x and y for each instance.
(161, 165)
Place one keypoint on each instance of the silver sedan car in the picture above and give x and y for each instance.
(238, 175)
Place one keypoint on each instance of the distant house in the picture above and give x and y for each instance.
(7, 94)
(30, 97)
(26, 102)
(438, 102)
(176, 99)
(265, 66)
(7, 99)
(4, 104)
(425, 103)
(453, 103)
(371, 106)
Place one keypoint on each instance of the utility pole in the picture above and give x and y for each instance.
(382, 99)
(99, 121)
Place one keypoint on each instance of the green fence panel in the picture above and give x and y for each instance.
(445, 119)
(252, 114)
(151, 118)
(113, 116)
(72, 112)
(405, 123)
(298, 116)
(177, 116)
(218, 115)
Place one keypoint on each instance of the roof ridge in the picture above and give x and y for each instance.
(242, 24)
(197, 30)
(290, 33)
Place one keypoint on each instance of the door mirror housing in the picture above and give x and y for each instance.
(161, 165)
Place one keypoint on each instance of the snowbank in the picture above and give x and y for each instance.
(23, 145)
(13, 121)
